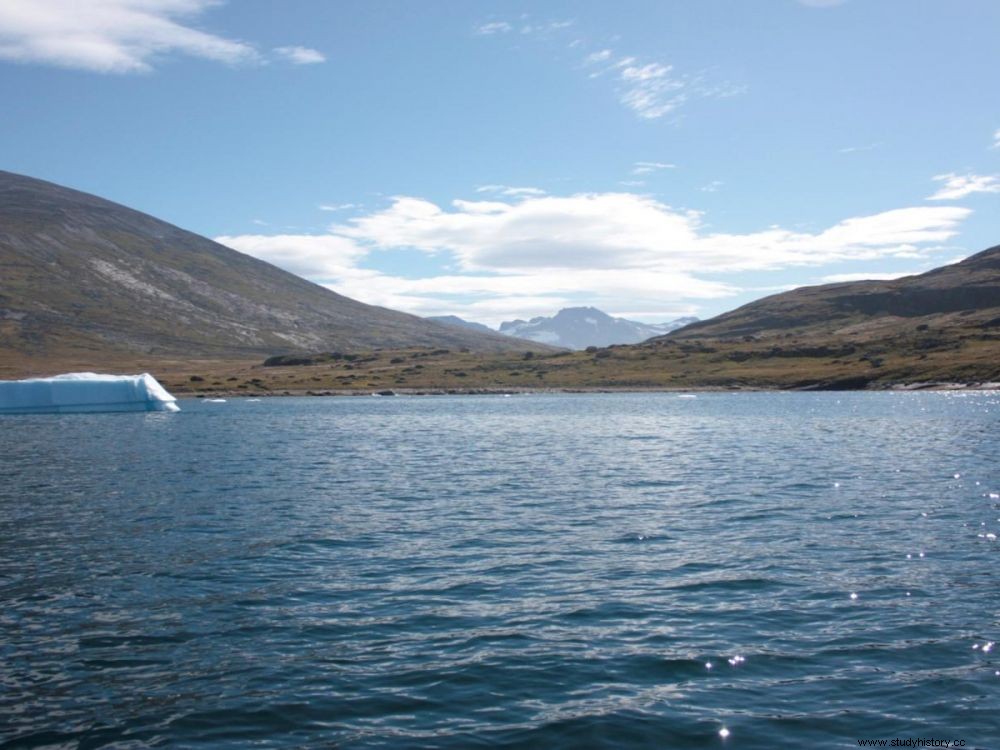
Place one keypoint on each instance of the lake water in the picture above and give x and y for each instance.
(531, 571)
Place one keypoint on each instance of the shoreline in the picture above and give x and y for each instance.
(503, 391)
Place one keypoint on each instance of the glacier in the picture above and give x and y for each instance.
(84, 392)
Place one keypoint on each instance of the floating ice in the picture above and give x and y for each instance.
(79, 392)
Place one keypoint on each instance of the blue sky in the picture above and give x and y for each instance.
(503, 160)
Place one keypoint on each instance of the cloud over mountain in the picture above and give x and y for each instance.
(615, 250)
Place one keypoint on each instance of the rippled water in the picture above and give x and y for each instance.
(535, 571)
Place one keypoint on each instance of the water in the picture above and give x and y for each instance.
(535, 571)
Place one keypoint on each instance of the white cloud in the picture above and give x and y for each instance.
(645, 167)
(111, 36)
(545, 27)
(653, 89)
(856, 149)
(838, 278)
(650, 89)
(712, 187)
(509, 191)
(493, 27)
(996, 139)
(300, 55)
(600, 56)
(958, 186)
(536, 254)
(315, 256)
(336, 206)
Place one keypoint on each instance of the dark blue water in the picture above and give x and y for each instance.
(534, 571)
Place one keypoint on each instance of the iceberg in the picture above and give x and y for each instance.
(82, 392)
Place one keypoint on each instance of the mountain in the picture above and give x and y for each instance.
(580, 327)
(939, 326)
(82, 275)
(454, 320)
(964, 294)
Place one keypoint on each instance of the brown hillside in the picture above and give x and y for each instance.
(82, 277)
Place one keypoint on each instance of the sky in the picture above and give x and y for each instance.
(502, 160)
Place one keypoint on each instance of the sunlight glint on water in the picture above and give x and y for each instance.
(762, 570)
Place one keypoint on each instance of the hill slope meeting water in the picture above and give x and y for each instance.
(939, 328)
(83, 277)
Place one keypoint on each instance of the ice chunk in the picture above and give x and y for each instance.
(84, 392)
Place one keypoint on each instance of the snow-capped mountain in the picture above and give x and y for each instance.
(580, 327)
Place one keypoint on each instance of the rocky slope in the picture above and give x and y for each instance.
(454, 320)
(82, 275)
(966, 293)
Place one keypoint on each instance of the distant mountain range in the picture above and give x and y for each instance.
(84, 276)
(576, 328)
(941, 327)
(580, 327)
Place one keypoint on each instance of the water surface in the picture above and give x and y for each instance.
(533, 571)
